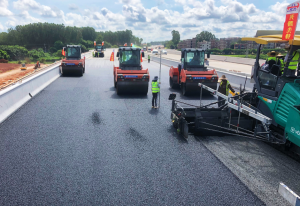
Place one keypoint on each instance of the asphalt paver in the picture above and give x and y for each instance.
(78, 143)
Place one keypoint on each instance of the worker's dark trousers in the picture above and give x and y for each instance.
(148, 60)
(291, 72)
(222, 102)
(154, 99)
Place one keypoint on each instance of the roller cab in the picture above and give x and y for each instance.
(192, 71)
(99, 51)
(130, 77)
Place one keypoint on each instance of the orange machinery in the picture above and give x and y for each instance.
(129, 76)
(191, 71)
(73, 63)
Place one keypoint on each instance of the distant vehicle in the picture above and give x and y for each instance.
(149, 50)
(164, 52)
(155, 51)
(158, 47)
(73, 63)
(144, 49)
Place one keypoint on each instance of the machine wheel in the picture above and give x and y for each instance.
(83, 69)
(171, 83)
(115, 83)
(183, 89)
(81, 72)
(118, 90)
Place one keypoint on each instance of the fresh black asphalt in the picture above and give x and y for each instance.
(78, 143)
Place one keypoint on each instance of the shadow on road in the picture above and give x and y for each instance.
(153, 111)
(129, 96)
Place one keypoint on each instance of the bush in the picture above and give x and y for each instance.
(19, 62)
(114, 46)
(43, 61)
(107, 45)
(27, 60)
(36, 54)
(4, 55)
(58, 45)
(3, 61)
(15, 52)
(52, 50)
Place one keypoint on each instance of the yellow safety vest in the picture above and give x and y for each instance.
(155, 88)
(227, 88)
(293, 64)
(270, 58)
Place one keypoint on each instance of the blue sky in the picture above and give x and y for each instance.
(153, 19)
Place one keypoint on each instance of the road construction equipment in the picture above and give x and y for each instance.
(99, 50)
(192, 71)
(271, 112)
(73, 63)
(129, 76)
(23, 67)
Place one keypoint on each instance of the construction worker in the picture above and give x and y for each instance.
(206, 62)
(293, 63)
(272, 56)
(148, 58)
(280, 61)
(155, 90)
(224, 88)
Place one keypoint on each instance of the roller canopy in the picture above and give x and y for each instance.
(272, 39)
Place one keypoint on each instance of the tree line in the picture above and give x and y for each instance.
(52, 37)
(48, 33)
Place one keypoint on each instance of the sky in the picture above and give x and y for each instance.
(152, 20)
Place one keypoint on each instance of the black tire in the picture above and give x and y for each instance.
(81, 72)
(83, 69)
(183, 89)
(171, 83)
(118, 90)
(115, 83)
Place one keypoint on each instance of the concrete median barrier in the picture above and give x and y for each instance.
(12, 98)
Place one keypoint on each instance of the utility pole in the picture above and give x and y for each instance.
(247, 49)
(159, 78)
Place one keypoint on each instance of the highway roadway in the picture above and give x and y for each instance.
(78, 143)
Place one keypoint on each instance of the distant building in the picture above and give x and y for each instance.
(240, 46)
(215, 43)
(226, 42)
(205, 45)
(187, 43)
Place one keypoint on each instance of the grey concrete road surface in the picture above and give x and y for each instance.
(78, 143)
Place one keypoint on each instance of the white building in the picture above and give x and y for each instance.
(205, 45)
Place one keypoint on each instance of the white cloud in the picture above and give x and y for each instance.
(1, 27)
(229, 18)
(42, 10)
(3, 8)
(73, 7)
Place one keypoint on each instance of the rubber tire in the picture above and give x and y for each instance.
(115, 83)
(171, 83)
(83, 69)
(118, 91)
(183, 89)
(81, 73)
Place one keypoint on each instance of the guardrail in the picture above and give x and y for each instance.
(21, 91)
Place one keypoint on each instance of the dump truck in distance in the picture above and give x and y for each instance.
(129, 76)
(73, 63)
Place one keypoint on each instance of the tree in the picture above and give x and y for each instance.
(4, 55)
(205, 36)
(99, 39)
(170, 45)
(58, 45)
(175, 37)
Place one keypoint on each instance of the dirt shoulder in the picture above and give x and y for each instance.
(11, 72)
